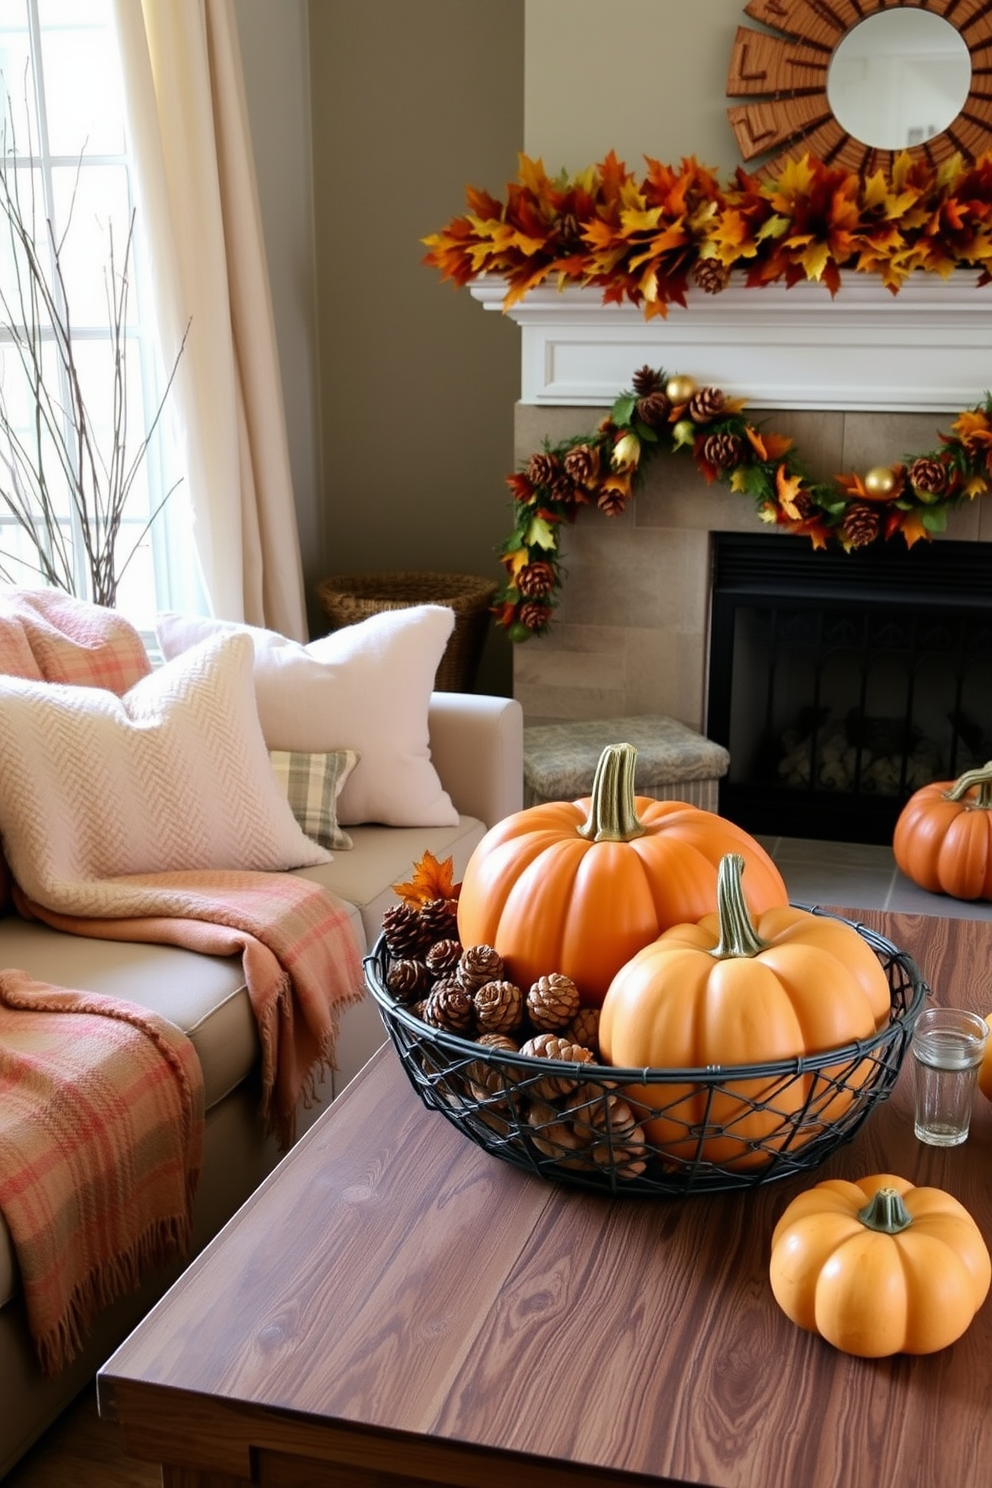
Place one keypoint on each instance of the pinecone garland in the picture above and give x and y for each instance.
(479, 964)
(647, 381)
(403, 931)
(723, 450)
(442, 959)
(862, 524)
(552, 1002)
(407, 980)
(536, 580)
(705, 404)
(710, 275)
(499, 1007)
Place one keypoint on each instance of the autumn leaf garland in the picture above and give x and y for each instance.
(650, 240)
(661, 412)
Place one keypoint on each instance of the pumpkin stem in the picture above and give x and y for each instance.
(886, 1213)
(738, 937)
(982, 778)
(612, 815)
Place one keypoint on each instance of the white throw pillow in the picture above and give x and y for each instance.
(173, 775)
(366, 687)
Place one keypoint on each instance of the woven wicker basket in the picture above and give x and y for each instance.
(348, 598)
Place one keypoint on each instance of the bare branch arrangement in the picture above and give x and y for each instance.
(64, 489)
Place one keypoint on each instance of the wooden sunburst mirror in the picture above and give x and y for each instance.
(784, 78)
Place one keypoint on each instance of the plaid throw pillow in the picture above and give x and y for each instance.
(312, 783)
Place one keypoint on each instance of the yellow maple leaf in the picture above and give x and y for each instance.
(432, 879)
(540, 534)
(787, 488)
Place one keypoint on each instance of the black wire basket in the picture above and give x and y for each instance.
(656, 1131)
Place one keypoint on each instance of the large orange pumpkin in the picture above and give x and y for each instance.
(943, 837)
(732, 991)
(579, 886)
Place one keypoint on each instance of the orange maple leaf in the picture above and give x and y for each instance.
(767, 446)
(431, 880)
(787, 488)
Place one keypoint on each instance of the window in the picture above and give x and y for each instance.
(62, 101)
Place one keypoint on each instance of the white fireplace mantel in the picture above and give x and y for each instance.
(926, 349)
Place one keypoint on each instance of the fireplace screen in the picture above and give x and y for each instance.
(840, 683)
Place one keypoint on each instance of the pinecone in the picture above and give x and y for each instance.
(542, 470)
(582, 463)
(479, 964)
(552, 1046)
(564, 489)
(499, 1007)
(611, 501)
(449, 1006)
(487, 1079)
(439, 920)
(552, 1002)
(555, 1137)
(534, 616)
(595, 1116)
(627, 1159)
(723, 450)
(584, 1029)
(653, 409)
(929, 477)
(442, 959)
(568, 231)
(803, 503)
(647, 380)
(536, 580)
(705, 404)
(710, 275)
(862, 524)
(403, 932)
(407, 980)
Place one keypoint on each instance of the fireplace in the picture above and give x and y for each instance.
(855, 382)
(840, 683)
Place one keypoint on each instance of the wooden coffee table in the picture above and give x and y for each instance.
(396, 1307)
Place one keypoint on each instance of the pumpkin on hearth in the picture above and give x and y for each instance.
(729, 990)
(578, 887)
(879, 1267)
(943, 836)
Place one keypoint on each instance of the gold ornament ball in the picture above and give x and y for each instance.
(680, 389)
(880, 481)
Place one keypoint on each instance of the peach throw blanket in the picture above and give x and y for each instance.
(101, 1137)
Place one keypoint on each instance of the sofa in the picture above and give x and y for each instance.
(473, 754)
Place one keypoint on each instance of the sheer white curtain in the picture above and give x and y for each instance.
(198, 195)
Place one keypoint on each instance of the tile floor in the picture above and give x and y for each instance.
(858, 875)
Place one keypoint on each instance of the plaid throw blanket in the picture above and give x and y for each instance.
(299, 953)
(101, 1136)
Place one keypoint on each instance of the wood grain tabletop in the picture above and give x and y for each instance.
(395, 1300)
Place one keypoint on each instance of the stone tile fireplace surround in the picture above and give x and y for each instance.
(857, 382)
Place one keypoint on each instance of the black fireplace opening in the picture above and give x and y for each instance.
(842, 682)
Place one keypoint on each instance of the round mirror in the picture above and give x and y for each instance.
(899, 78)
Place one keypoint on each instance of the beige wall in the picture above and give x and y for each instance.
(368, 120)
(641, 77)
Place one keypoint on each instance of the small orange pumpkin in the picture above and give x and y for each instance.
(580, 886)
(943, 836)
(732, 991)
(879, 1267)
